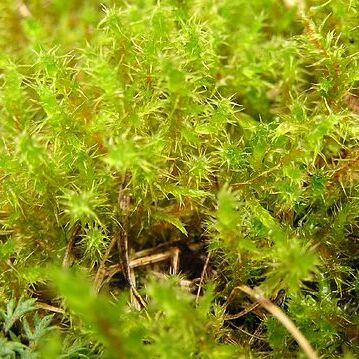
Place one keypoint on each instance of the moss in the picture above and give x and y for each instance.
(219, 136)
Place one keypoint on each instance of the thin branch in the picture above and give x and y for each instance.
(101, 272)
(49, 308)
(287, 323)
(175, 261)
(68, 257)
(141, 262)
(122, 238)
(204, 270)
(242, 313)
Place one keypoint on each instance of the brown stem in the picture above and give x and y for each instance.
(100, 275)
(278, 313)
(204, 270)
(68, 257)
(122, 238)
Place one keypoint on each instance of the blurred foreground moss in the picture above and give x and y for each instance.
(213, 142)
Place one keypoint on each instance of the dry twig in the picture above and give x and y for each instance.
(287, 322)
(68, 257)
(204, 270)
(241, 313)
(122, 240)
(49, 308)
(101, 272)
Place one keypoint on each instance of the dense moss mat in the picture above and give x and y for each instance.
(217, 138)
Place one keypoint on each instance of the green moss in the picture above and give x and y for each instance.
(226, 125)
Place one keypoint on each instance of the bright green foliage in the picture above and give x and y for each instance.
(228, 123)
(171, 328)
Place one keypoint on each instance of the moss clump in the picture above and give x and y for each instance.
(220, 136)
